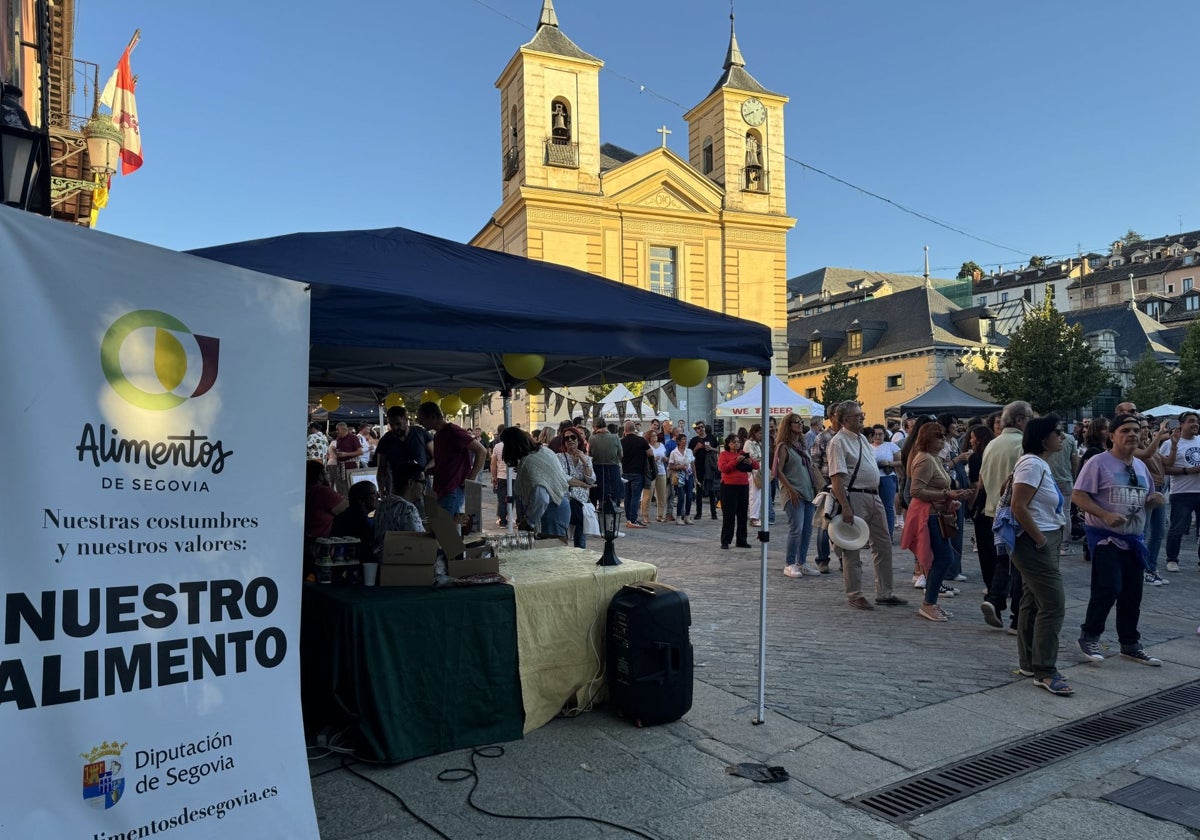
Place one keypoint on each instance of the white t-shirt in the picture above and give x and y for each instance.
(683, 455)
(1034, 472)
(843, 455)
(885, 453)
(1186, 455)
(660, 457)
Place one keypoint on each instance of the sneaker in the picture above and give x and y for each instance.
(960, 577)
(1172, 566)
(806, 569)
(932, 612)
(823, 568)
(1139, 655)
(634, 525)
(990, 615)
(1092, 650)
(792, 570)
(1162, 580)
(1151, 579)
(947, 591)
(919, 582)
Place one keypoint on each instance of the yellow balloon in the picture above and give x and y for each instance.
(430, 395)
(330, 402)
(533, 387)
(470, 396)
(451, 404)
(523, 365)
(688, 372)
(392, 400)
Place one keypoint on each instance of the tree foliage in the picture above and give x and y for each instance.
(1037, 261)
(839, 384)
(1132, 237)
(969, 271)
(1187, 380)
(1153, 382)
(1047, 364)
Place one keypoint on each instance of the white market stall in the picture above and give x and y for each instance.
(781, 399)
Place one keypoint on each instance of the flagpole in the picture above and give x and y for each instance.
(133, 42)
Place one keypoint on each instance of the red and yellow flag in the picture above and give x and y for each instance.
(118, 95)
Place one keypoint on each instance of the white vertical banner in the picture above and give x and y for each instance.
(149, 657)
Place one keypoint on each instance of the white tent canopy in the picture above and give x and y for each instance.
(1166, 410)
(608, 406)
(782, 400)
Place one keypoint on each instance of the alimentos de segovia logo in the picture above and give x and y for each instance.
(170, 359)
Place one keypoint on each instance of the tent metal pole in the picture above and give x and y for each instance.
(508, 481)
(764, 537)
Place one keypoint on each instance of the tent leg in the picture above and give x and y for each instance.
(508, 481)
(764, 536)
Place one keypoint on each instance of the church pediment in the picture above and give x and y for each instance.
(661, 182)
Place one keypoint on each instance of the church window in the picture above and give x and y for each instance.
(895, 381)
(810, 393)
(1192, 303)
(662, 271)
(706, 155)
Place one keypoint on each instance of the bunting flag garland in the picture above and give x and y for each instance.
(669, 390)
(621, 407)
(636, 403)
(652, 398)
(571, 406)
(558, 402)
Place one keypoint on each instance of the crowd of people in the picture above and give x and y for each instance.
(1025, 486)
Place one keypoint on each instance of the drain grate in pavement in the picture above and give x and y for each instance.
(1160, 799)
(934, 789)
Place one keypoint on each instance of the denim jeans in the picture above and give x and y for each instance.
(1116, 579)
(887, 495)
(1183, 505)
(800, 526)
(683, 495)
(633, 495)
(608, 483)
(502, 501)
(577, 522)
(550, 519)
(452, 502)
(943, 552)
(1156, 529)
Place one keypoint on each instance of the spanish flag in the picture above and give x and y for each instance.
(118, 95)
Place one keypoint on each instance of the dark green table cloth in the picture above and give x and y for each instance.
(414, 671)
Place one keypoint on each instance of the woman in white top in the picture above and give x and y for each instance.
(887, 458)
(580, 480)
(753, 448)
(1037, 506)
(682, 466)
(659, 453)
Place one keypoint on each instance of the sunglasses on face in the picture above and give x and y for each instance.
(570, 438)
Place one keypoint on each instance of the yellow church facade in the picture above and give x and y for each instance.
(709, 230)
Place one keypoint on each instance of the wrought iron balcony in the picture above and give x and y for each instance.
(755, 179)
(562, 154)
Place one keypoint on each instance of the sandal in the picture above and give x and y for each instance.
(1055, 684)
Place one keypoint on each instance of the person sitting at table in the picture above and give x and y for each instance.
(541, 482)
(355, 521)
(399, 511)
(321, 502)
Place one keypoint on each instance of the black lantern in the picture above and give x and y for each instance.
(608, 512)
(24, 157)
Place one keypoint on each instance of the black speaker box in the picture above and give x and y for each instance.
(649, 655)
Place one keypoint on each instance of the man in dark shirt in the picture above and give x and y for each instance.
(701, 444)
(401, 444)
(457, 457)
(634, 453)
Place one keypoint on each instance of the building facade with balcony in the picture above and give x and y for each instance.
(709, 228)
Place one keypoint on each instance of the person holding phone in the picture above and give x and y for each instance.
(1181, 461)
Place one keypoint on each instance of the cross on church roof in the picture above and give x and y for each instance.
(664, 131)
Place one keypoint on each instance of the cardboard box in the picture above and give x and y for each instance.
(396, 575)
(477, 560)
(409, 548)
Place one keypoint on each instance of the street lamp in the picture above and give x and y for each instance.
(103, 144)
(24, 157)
(608, 511)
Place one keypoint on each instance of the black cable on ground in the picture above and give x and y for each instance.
(347, 766)
(459, 774)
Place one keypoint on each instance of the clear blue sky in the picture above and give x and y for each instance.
(1042, 126)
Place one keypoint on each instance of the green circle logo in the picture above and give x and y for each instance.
(170, 361)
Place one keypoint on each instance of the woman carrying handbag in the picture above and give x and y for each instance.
(799, 482)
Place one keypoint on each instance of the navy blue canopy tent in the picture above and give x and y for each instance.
(398, 309)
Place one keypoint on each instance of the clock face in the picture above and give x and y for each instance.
(754, 112)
